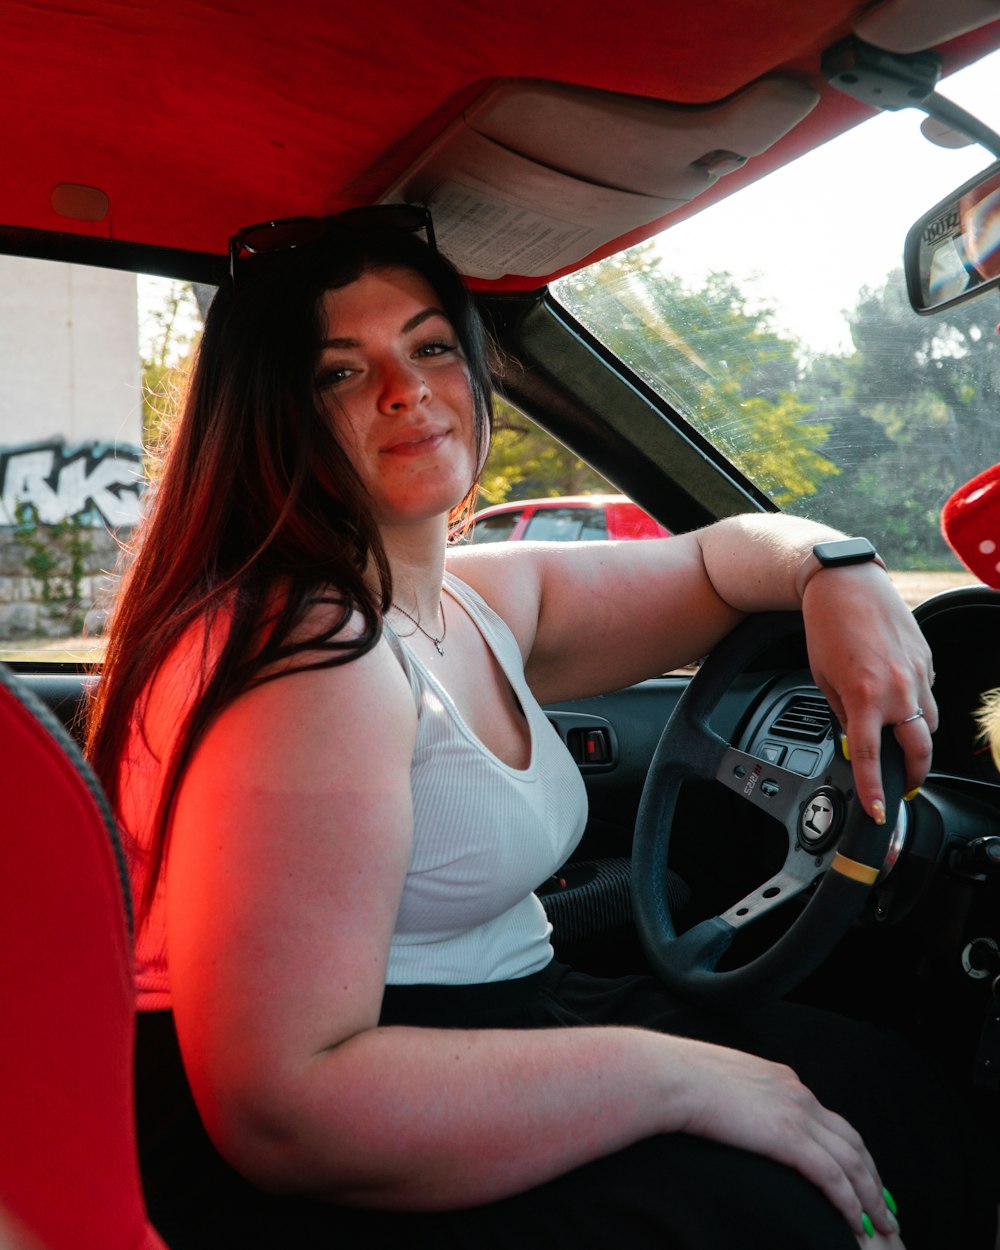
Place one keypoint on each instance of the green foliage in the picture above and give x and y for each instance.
(912, 414)
(171, 328)
(56, 556)
(527, 463)
(717, 359)
(872, 442)
(798, 470)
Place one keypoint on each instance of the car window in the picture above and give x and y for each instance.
(558, 525)
(777, 323)
(91, 362)
(594, 524)
(494, 529)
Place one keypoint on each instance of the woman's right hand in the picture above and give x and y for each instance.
(761, 1106)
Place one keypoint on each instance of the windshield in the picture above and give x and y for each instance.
(777, 323)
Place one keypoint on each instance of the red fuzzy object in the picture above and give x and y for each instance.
(970, 521)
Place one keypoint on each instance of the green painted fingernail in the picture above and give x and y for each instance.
(844, 748)
(910, 795)
(890, 1202)
(867, 1224)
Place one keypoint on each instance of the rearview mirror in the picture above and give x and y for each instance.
(953, 252)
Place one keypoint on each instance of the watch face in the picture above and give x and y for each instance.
(845, 551)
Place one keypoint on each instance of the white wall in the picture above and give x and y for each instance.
(69, 390)
(69, 349)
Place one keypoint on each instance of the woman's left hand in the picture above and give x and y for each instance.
(874, 666)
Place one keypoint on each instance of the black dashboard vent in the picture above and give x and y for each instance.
(805, 718)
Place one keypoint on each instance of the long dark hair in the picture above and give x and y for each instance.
(259, 513)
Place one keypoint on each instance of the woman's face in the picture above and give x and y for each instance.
(395, 385)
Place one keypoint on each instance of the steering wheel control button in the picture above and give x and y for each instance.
(820, 819)
(754, 783)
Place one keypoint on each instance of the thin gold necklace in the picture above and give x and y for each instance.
(438, 642)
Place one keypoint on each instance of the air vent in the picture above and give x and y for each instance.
(805, 718)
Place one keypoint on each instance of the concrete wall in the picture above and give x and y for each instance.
(69, 345)
(26, 614)
(70, 424)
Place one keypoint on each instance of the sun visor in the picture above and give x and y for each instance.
(912, 25)
(536, 175)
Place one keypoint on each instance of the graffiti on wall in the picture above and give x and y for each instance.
(101, 482)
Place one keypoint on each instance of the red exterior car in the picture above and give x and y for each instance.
(564, 518)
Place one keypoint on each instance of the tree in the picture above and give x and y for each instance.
(171, 327)
(525, 463)
(912, 413)
(737, 386)
(953, 356)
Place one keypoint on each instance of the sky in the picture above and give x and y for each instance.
(884, 170)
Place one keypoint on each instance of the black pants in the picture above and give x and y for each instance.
(671, 1192)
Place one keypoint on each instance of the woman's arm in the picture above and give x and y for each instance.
(592, 617)
(290, 844)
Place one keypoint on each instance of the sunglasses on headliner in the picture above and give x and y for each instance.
(268, 237)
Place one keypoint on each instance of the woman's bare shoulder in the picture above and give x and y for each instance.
(330, 654)
(507, 577)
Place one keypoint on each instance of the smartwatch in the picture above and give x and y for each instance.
(834, 554)
(845, 551)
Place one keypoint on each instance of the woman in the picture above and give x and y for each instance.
(337, 739)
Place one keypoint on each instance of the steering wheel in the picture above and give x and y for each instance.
(830, 836)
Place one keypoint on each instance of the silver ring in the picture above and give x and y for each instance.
(917, 715)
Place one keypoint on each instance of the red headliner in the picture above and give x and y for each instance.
(196, 118)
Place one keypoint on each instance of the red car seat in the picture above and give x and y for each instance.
(69, 1173)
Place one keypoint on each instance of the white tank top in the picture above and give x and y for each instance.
(485, 835)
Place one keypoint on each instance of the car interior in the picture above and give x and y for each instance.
(545, 140)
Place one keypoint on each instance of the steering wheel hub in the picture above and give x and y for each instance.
(821, 819)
